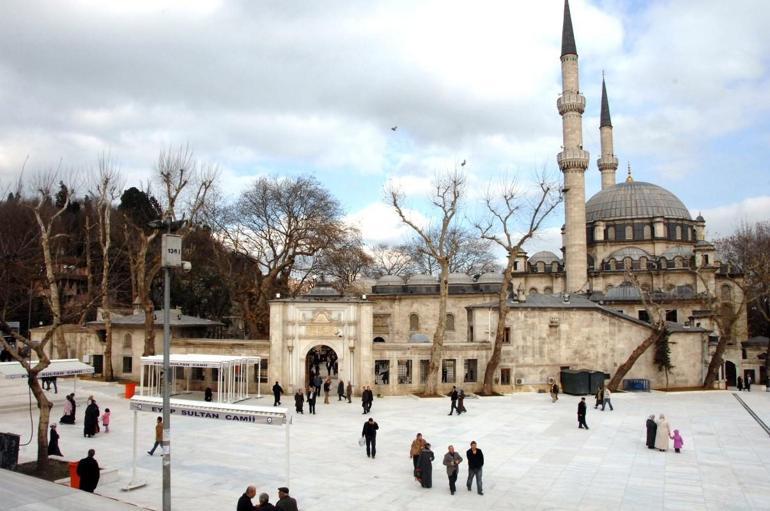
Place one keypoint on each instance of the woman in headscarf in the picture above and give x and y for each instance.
(651, 430)
(91, 421)
(53, 442)
(662, 434)
(69, 411)
(425, 467)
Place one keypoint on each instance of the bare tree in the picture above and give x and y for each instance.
(470, 254)
(106, 193)
(659, 332)
(390, 260)
(344, 262)
(506, 214)
(446, 197)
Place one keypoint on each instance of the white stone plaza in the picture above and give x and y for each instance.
(535, 456)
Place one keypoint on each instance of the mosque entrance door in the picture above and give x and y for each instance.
(323, 361)
(730, 373)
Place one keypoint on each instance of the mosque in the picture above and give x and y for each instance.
(574, 310)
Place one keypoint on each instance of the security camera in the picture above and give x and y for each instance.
(186, 266)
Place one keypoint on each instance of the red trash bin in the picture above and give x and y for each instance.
(130, 389)
(74, 477)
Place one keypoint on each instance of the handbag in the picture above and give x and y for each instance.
(361, 442)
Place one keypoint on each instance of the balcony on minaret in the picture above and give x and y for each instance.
(573, 158)
(571, 102)
(607, 162)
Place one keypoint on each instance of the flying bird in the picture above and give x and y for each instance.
(394, 128)
(463, 164)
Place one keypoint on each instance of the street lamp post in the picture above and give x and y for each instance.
(171, 257)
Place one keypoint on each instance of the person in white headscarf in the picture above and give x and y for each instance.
(663, 434)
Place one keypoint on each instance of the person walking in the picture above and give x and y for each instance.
(327, 389)
(425, 467)
(599, 397)
(285, 502)
(53, 442)
(581, 413)
(106, 420)
(317, 382)
(554, 393)
(299, 401)
(662, 434)
(453, 398)
(69, 410)
(748, 383)
(208, 394)
(311, 397)
(277, 391)
(349, 392)
(678, 441)
(607, 399)
(88, 472)
(452, 461)
(340, 391)
(244, 503)
(369, 432)
(652, 428)
(158, 436)
(461, 402)
(414, 451)
(91, 419)
(365, 400)
(475, 465)
(740, 384)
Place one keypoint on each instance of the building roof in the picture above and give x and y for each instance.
(177, 320)
(567, 34)
(635, 199)
(605, 116)
(759, 341)
(635, 253)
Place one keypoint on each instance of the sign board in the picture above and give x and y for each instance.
(171, 251)
(203, 411)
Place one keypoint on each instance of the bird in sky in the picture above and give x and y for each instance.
(463, 164)
(394, 128)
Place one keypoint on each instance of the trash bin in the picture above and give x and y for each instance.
(130, 389)
(9, 450)
(74, 477)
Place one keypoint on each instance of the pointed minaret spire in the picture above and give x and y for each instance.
(629, 177)
(573, 161)
(605, 118)
(607, 163)
(567, 34)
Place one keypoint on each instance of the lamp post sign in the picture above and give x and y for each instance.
(171, 248)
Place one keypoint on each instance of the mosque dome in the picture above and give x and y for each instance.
(545, 256)
(635, 199)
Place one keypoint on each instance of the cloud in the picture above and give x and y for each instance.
(724, 220)
(378, 223)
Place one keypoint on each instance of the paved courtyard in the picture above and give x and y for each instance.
(535, 457)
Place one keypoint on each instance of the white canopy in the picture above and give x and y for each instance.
(211, 410)
(61, 367)
(197, 360)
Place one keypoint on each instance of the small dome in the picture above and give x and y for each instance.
(544, 256)
(633, 252)
(635, 199)
(673, 252)
(460, 278)
(491, 278)
(422, 280)
(700, 218)
(390, 280)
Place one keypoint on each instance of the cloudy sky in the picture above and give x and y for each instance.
(314, 88)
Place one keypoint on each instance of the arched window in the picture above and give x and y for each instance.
(554, 267)
(643, 263)
(540, 267)
(414, 322)
(663, 263)
(450, 322)
(609, 287)
(628, 263)
(726, 293)
(647, 232)
(678, 262)
(629, 232)
(379, 339)
(548, 291)
(533, 291)
(678, 232)
(127, 342)
(612, 265)
(611, 233)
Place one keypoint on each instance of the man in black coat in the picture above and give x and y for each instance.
(340, 391)
(88, 472)
(285, 502)
(581, 412)
(244, 503)
(299, 400)
(277, 391)
(652, 430)
(475, 463)
(369, 432)
(453, 397)
(311, 397)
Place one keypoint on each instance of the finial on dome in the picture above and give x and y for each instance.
(629, 178)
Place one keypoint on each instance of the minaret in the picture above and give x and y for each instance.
(573, 161)
(608, 163)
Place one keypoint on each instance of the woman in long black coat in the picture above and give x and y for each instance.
(91, 421)
(299, 401)
(425, 467)
(53, 442)
(652, 429)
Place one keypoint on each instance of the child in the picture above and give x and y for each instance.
(106, 420)
(678, 441)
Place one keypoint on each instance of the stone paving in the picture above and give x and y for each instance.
(536, 457)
